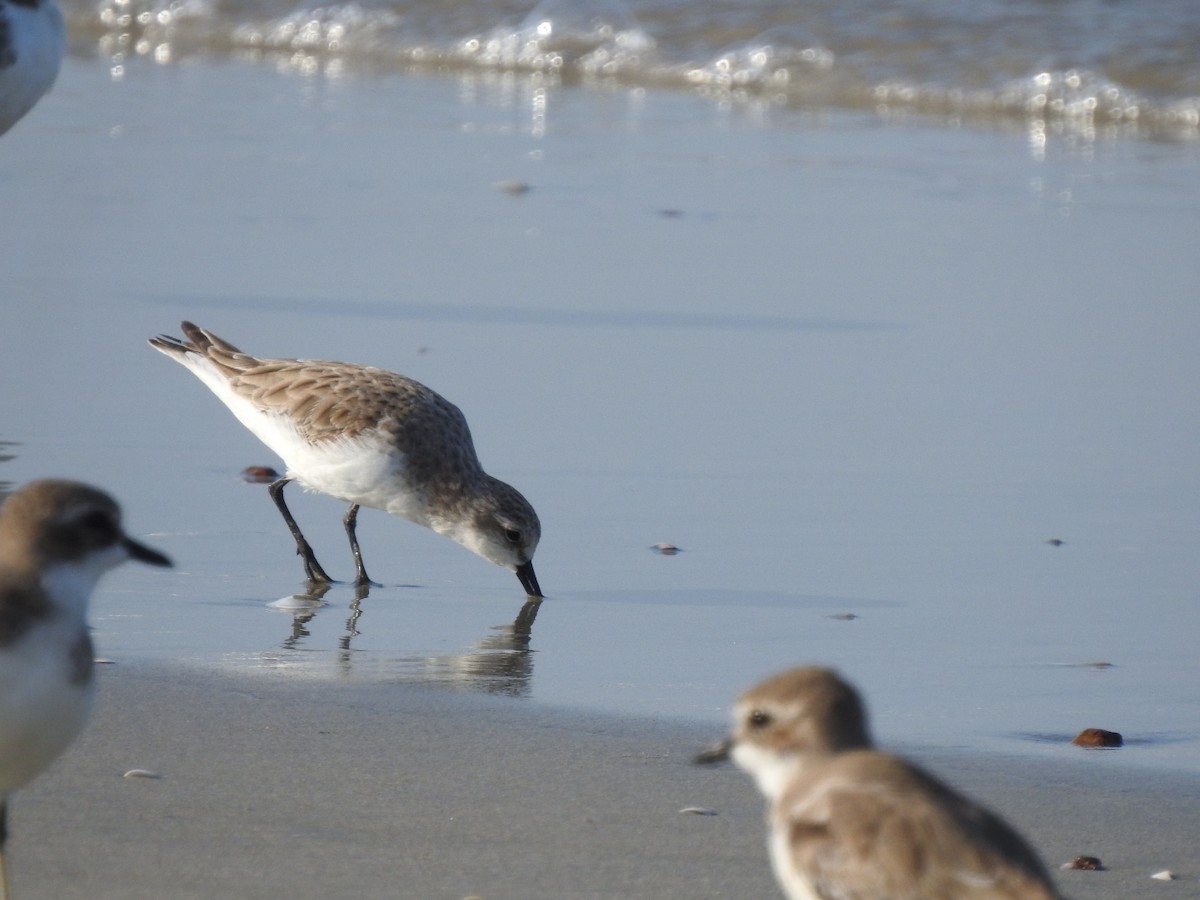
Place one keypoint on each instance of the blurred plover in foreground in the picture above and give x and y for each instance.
(849, 821)
(56, 539)
(368, 437)
(32, 40)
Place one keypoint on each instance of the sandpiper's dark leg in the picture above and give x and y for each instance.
(312, 568)
(350, 520)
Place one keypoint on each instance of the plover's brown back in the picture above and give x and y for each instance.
(871, 825)
(849, 821)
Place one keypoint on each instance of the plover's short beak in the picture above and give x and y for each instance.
(715, 754)
(528, 579)
(142, 553)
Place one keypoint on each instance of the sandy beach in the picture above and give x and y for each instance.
(272, 789)
(917, 400)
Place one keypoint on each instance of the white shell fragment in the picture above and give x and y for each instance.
(1164, 875)
(302, 602)
(699, 811)
(141, 773)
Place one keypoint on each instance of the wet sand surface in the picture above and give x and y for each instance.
(273, 789)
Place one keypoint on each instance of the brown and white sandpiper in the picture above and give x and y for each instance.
(371, 438)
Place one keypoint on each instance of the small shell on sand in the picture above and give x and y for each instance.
(1098, 737)
(302, 602)
(1086, 863)
(699, 811)
(843, 617)
(141, 773)
(1165, 875)
(666, 549)
(259, 474)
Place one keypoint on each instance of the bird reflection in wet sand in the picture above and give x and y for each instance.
(303, 608)
(501, 663)
(6, 455)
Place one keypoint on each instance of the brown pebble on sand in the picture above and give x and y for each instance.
(259, 474)
(514, 187)
(1086, 863)
(1098, 737)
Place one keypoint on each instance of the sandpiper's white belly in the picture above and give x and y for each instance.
(367, 471)
(42, 707)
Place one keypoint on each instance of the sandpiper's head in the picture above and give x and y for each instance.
(782, 722)
(53, 526)
(504, 529)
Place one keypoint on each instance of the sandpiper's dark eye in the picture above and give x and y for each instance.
(512, 536)
(759, 719)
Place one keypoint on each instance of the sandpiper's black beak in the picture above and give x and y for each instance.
(142, 553)
(714, 754)
(528, 579)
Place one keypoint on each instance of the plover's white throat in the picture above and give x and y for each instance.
(371, 438)
(849, 821)
(32, 40)
(56, 539)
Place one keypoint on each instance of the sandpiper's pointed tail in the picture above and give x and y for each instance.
(198, 341)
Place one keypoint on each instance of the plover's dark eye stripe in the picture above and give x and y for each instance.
(97, 521)
(98, 527)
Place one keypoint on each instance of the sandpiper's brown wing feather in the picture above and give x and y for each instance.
(332, 400)
(329, 400)
(870, 826)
